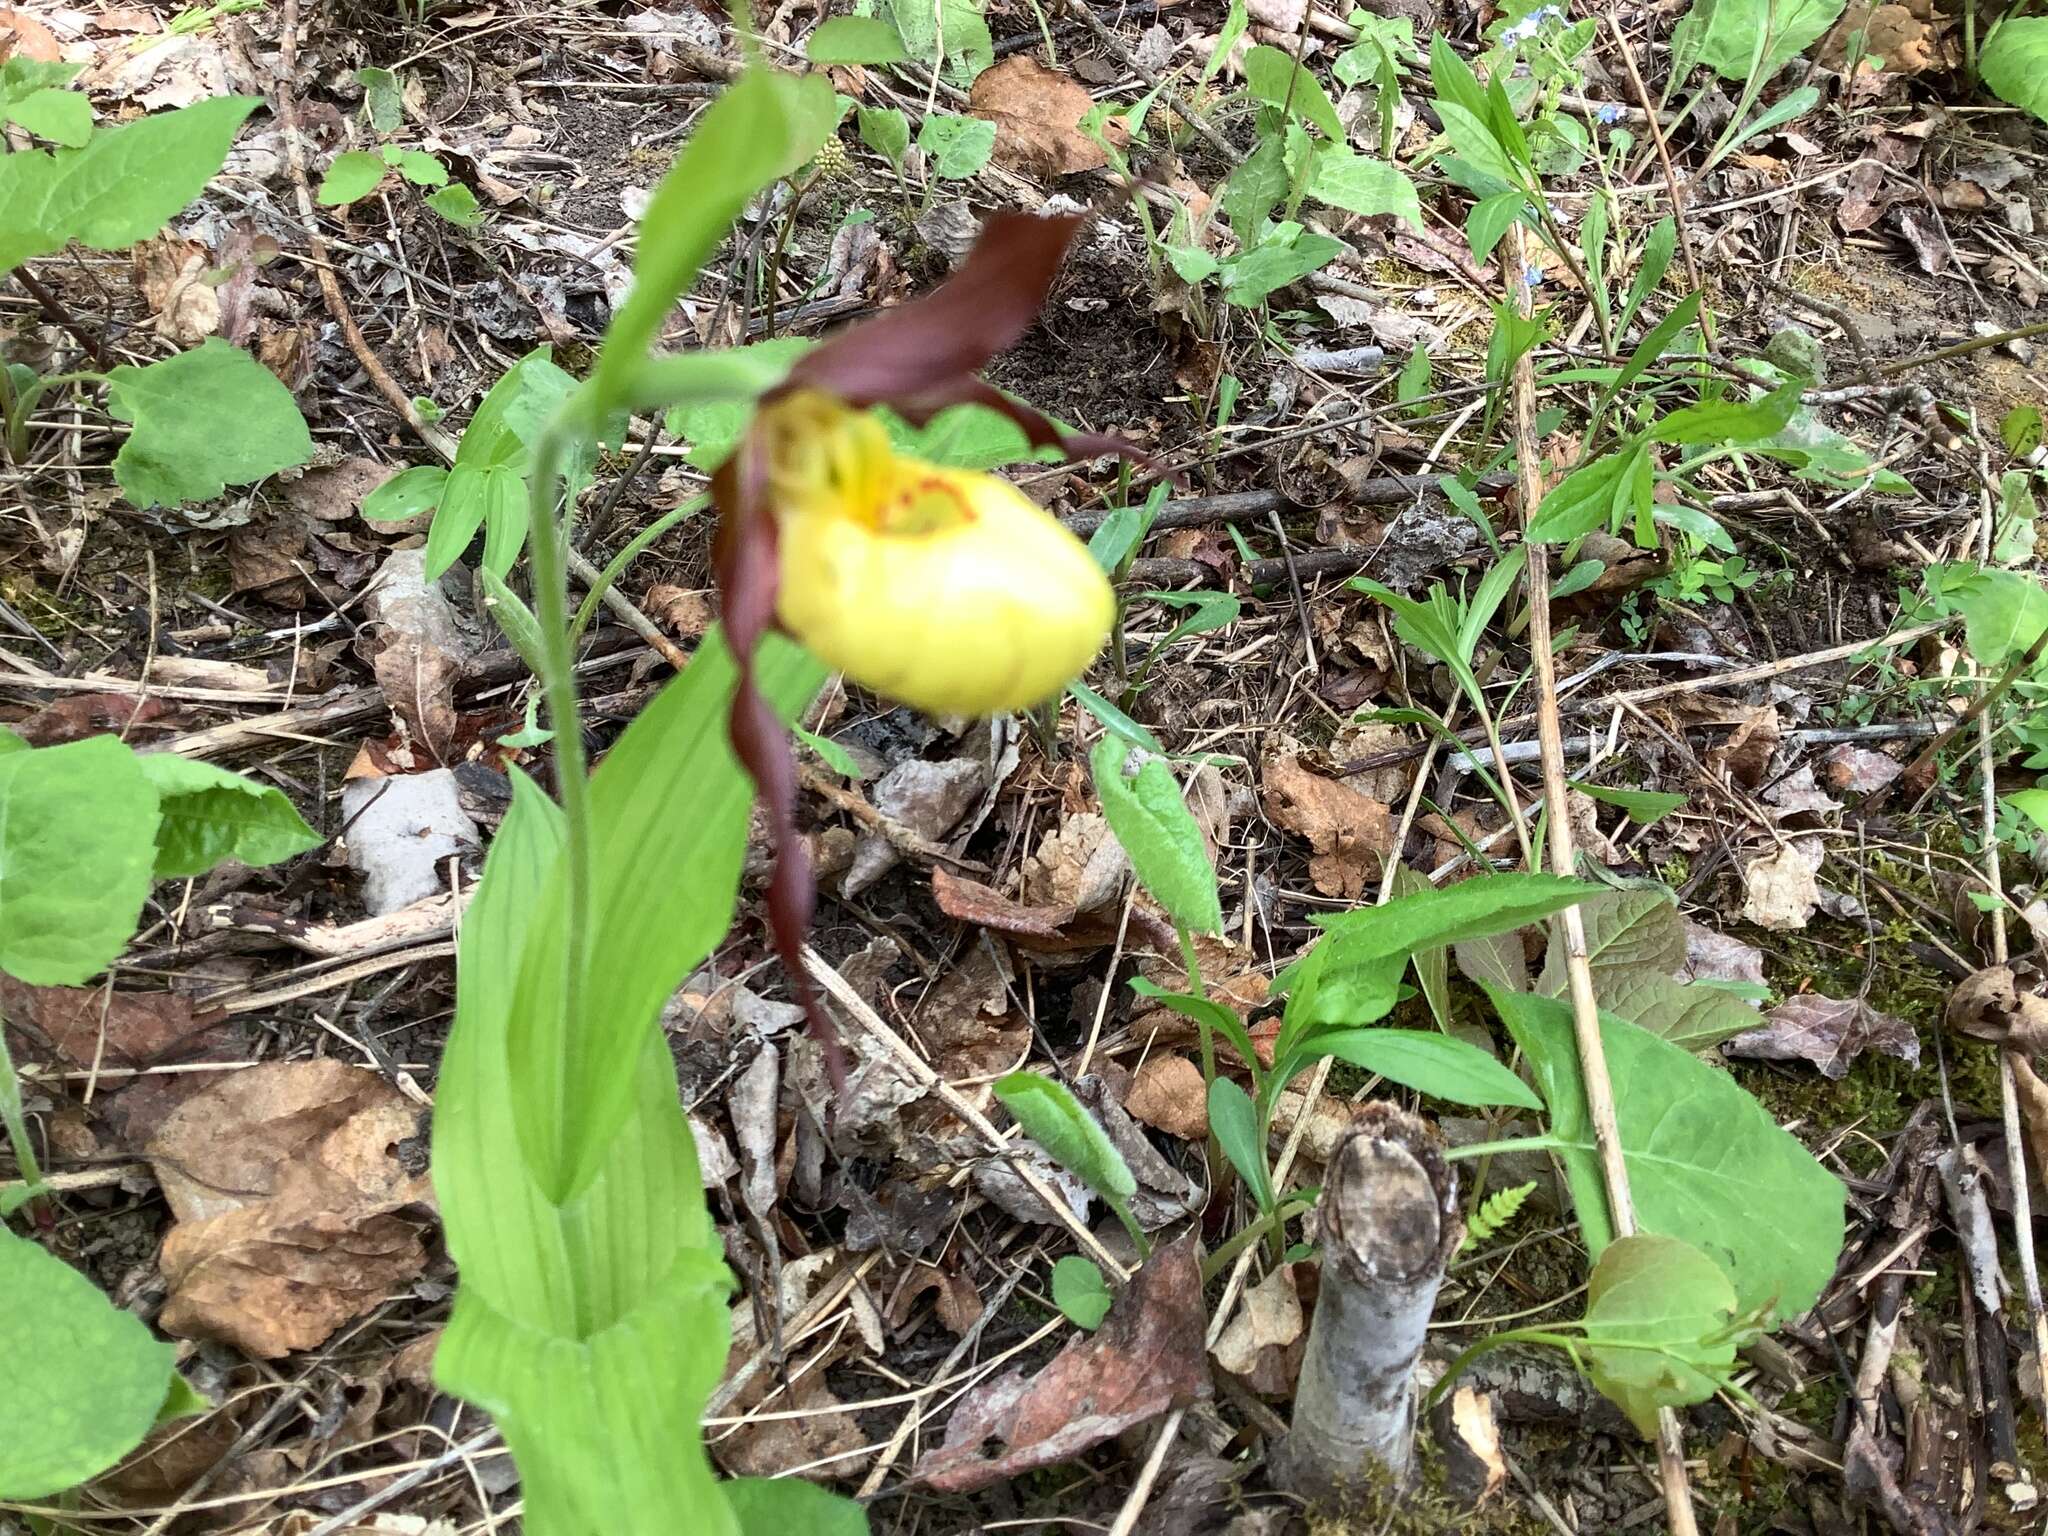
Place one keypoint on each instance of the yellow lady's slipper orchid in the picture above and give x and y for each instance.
(947, 589)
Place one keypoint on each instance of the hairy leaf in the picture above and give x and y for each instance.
(1439, 1065)
(1632, 930)
(1745, 39)
(1143, 806)
(1360, 184)
(1234, 1121)
(1055, 1119)
(204, 420)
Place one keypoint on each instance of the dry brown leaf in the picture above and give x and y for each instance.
(1712, 956)
(21, 33)
(1263, 1342)
(970, 901)
(2004, 1005)
(684, 613)
(1348, 832)
(117, 1029)
(333, 493)
(286, 1180)
(1858, 770)
(958, 1306)
(766, 1447)
(1798, 795)
(1036, 111)
(171, 274)
(1779, 888)
(1168, 1094)
(1146, 1359)
(1746, 755)
(1829, 1032)
(1078, 865)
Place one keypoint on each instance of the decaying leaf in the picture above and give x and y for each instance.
(1165, 1194)
(1858, 770)
(1714, 956)
(116, 1029)
(1746, 755)
(172, 276)
(1145, 1360)
(1829, 1032)
(1779, 888)
(1798, 795)
(2004, 1005)
(1262, 1345)
(972, 902)
(1348, 832)
(1168, 1095)
(1036, 111)
(419, 647)
(287, 1180)
(1079, 864)
(402, 830)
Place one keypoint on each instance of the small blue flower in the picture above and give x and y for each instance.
(1609, 114)
(1532, 276)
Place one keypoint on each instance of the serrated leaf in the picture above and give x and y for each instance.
(179, 451)
(208, 814)
(1659, 1326)
(78, 830)
(1080, 1293)
(885, 130)
(1056, 1120)
(1143, 806)
(123, 186)
(85, 1379)
(1693, 1016)
(958, 146)
(351, 175)
(855, 40)
(383, 99)
(1706, 1163)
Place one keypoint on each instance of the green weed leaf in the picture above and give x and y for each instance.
(1729, 36)
(886, 131)
(423, 170)
(208, 814)
(1054, 1118)
(1207, 1013)
(1144, 808)
(179, 451)
(1439, 1065)
(1706, 1164)
(1271, 76)
(1360, 184)
(32, 96)
(1692, 1017)
(1234, 1121)
(958, 146)
(1660, 1326)
(458, 205)
(78, 827)
(1731, 421)
(1080, 1293)
(123, 186)
(406, 494)
(2014, 63)
(855, 40)
(791, 1506)
(1659, 246)
(1490, 219)
(1629, 930)
(2003, 612)
(1592, 496)
(383, 99)
(351, 175)
(1644, 807)
(85, 1379)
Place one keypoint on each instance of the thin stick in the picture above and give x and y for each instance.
(1563, 860)
(1671, 182)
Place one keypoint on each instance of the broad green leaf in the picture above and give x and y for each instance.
(594, 1325)
(122, 187)
(2014, 63)
(739, 146)
(1792, 104)
(183, 448)
(1254, 189)
(1660, 1327)
(2021, 428)
(1234, 1121)
(78, 828)
(1190, 265)
(62, 117)
(351, 175)
(1414, 380)
(1691, 1016)
(958, 146)
(1115, 720)
(1272, 264)
(1644, 807)
(2032, 804)
(406, 494)
(1628, 930)
(855, 40)
(1436, 1064)
(1080, 1293)
(1591, 496)
(791, 1506)
(84, 1379)
(2003, 612)
(1271, 76)
(885, 130)
(713, 427)
(1432, 962)
(2016, 519)
(1731, 421)
(458, 205)
(423, 170)
(648, 928)
(1820, 453)
(209, 814)
(1451, 78)
(516, 621)
(1360, 184)
(1726, 35)
(1654, 345)
(1353, 974)
(1473, 143)
(1706, 1164)
(1143, 806)
(1490, 219)
(1054, 1118)
(968, 45)
(472, 495)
